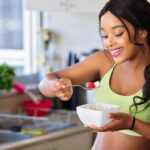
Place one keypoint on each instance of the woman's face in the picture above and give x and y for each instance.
(116, 38)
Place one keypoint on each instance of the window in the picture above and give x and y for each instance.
(18, 30)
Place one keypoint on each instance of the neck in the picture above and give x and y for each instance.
(139, 61)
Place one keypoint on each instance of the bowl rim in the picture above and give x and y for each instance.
(93, 104)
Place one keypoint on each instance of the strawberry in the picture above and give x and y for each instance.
(90, 85)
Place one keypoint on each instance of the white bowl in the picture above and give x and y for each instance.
(96, 114)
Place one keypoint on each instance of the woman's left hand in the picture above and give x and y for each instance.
(119, 121)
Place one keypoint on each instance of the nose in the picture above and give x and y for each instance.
(110, 42)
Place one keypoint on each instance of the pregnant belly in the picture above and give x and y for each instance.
(119, 141)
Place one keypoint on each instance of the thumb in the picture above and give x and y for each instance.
(114, 115)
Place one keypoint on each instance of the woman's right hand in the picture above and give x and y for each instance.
(62, 90)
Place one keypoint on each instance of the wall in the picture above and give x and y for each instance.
(73, 32)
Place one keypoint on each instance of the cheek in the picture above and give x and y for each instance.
(124, 40)
(105, 44)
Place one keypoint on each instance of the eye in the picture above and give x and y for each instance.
(119, 34)
(104, 36)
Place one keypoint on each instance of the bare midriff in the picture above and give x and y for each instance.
(119, 141)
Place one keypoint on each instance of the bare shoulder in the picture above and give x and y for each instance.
(102, 61)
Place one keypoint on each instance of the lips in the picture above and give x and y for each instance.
(116, 52)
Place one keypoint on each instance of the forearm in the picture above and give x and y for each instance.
(142, 128)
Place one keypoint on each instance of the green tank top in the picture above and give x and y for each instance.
(104, 94)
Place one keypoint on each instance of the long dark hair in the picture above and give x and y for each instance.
(138, 14)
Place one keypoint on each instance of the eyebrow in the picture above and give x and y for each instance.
(114, 27)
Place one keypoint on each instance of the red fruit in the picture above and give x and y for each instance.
(90, 85)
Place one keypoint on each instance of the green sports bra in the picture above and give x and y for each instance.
(104, 94)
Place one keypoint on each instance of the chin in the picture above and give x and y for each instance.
(119, 60)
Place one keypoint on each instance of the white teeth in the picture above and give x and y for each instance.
(117, 51)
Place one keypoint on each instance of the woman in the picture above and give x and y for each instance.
(124, 71)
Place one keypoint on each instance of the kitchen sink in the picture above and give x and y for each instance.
(10, 136)
(19, 127)
(50, 126)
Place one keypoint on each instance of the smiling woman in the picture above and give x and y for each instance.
(123, 69)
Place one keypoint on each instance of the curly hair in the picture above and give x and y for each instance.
(138, 14)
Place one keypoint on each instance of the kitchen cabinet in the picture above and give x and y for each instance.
(80, 141)
(46, 5)
(36, 147)
(80, 6)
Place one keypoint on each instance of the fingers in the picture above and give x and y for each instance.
(112, 126)
(64, 95)
(94, 129)
(114, 115)
(61, 89)
(119, 121)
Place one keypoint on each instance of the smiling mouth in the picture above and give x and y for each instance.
(116, 52)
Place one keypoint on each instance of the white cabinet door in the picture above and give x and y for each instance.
(42, 146)
(79, 6)
(86, 6)
(46, 5)
(82, 141)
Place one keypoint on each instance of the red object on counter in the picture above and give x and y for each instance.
(90, 85)
(42, 108)
(18, 87)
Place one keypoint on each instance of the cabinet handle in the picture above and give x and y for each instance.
(62, 3)
(72, 3)
(54, 148)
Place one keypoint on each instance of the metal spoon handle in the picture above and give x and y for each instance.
(83, 87)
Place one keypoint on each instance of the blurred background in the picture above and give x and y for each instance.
(37, 37)
(29, 29)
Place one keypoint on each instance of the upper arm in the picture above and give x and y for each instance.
(91, 68)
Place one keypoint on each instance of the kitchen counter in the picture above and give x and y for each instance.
(50, 137)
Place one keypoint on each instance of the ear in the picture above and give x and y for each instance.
(143, 34)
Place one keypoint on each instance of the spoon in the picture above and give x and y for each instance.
(89, 86)
(32, 96)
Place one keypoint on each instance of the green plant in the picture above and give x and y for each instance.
(7, 74)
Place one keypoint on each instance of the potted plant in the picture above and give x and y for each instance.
(7, 74)
(45, 65)
(46, 36)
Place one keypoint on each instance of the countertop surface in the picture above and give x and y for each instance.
(49, 136)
